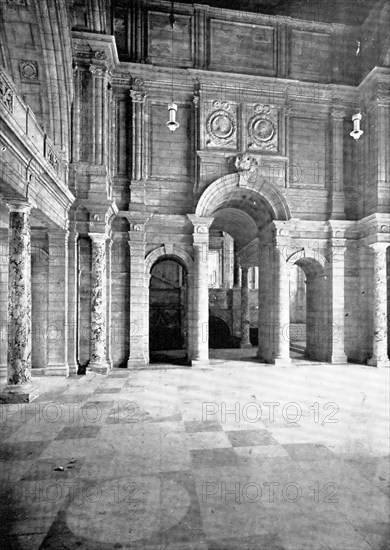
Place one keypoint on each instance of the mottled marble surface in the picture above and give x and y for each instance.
(19, 299)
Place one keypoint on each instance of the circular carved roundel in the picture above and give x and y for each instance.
(220, 125)
(261, 129)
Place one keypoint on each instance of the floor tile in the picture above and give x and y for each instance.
(308, 451)
(210, 458)
(250, 438)
(196, 426)
(82, 432)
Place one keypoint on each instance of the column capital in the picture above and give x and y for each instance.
(18, 205)
(201, 224)
(338, 112)
(138, 96)
(98, 238)
(379, 246)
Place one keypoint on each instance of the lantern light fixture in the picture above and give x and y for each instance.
(172, 107)
(356, 132)
(172, 124)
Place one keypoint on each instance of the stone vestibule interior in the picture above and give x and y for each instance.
(254, 235)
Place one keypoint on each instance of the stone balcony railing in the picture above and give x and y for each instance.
(24, 117)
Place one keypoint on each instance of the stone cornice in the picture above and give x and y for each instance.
(97, 48)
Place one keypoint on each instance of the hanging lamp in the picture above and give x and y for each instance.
(172, 107)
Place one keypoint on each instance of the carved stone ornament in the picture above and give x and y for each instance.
(220, 125)
(263, 128)
(28, 70)
(99, 54)
(201, 229)
(6, 94)
(246, 163)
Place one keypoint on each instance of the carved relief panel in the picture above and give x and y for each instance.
(220, 125)
(262, 128)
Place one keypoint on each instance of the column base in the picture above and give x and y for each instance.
(73, 369)
(57, 370)
(245, 345)
(380, 363)
(200, 363)
(99, 368)
(137, 363)
(282, 361)
(338, 359)
(24, 393)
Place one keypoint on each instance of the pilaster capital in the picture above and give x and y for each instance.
(379, 247)
(138, 96)
(201, 228)
(98, 70)
(281, 233)
(338, 112)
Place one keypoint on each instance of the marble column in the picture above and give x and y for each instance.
(19, 388)
(200, 325)
(379, 356)
(109, 301)
(3, 303)
(337, 167)
(57, 304)
(72, 300)
(245, 310)
(282, 305)
(139, 329)
(336, 273)
(98, 360)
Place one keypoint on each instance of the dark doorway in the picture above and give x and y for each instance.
(219, 334)
(167, 312)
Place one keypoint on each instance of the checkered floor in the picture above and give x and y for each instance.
(238, 456)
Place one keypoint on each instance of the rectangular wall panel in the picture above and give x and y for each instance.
(163, 43)
(307, 152)
(241, 47)
(310, 56)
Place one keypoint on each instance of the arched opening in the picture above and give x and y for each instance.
(220, 336)
(297, 312)
(168, 312)
(314, 336)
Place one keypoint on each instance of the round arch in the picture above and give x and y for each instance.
(318, 328)
(169, 252)
(218, 191)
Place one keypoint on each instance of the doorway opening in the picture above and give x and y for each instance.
(297, 312)
(168, 312)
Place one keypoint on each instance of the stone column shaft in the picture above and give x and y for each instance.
(19, 306)
(57, 304)
(110, 328)
(338, 301)
(379, 356)
(4, 266)
(138, 297)
(98, 361)
(282, 306)
(72, 301)
(245, 310)
(200, 326)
